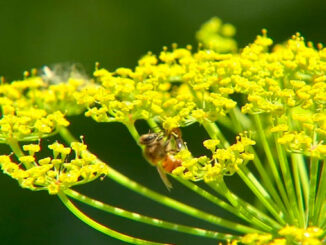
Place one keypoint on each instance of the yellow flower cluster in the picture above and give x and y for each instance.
(59, 96)
(147, 92)
(176, 89)
(287, 235)
(223, 162)
(303, 132)
(179, 87)
(287, 84)
(55, 173)
(22, 118)
(35, 107)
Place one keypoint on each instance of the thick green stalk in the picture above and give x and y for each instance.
(147, 220)
(134, 133)
(322, 219)
(237, 124)
(226, 122)
(15, 147)
(303, 176)
(243, 120)
(297, 183)
(66, 135)
(321, 195)
(153, 125)
(215, 133)
(314, 166)
(97, 226)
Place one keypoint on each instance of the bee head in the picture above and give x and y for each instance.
(148, 139)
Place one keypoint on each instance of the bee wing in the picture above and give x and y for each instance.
(164, 177)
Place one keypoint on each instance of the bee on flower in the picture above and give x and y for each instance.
(160, 149)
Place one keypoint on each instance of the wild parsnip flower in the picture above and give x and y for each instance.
(56, 173)
(223, 162)
(29, 123)
(172, 89)
(36, 107)
(272, 97)
(276, 92)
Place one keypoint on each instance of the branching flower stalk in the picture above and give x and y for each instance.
(263, 108)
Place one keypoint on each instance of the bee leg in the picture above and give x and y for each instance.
(164, 177)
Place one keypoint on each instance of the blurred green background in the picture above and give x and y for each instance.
(117, 33)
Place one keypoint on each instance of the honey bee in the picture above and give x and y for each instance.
(160, 149)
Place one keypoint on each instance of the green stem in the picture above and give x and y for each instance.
(261, 194)
(237, 124)
(14, 145)
(134, 133)
(153, 125)
(97, 226)
(322, 219)
(245, 207)
(287, 180)
(147, 220)
(226, 122)
(314, 166)
(66, 135)
(279, 205)
(242, 121)
(215, 133)
(321, 194)
(297, 184)
(299, 169)
(271, 162)
(267, 181)
(243, 214)
(303, 177)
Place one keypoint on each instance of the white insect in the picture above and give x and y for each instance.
(60, 73)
